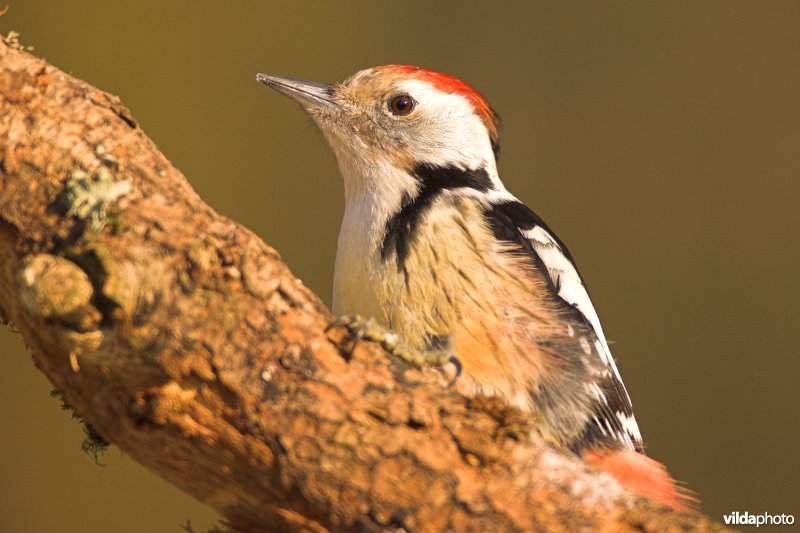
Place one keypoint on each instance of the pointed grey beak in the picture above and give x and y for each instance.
(307, 93)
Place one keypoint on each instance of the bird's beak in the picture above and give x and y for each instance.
(308, 93)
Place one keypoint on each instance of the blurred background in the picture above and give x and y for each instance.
(660, 140)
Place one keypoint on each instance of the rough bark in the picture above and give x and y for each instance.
(183, 339)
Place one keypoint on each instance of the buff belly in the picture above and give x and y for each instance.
(454, 285)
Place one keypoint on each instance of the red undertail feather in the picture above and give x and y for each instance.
(642, 475)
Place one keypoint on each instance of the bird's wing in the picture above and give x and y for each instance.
(512, 221)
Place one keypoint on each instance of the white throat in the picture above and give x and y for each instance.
(373, 193)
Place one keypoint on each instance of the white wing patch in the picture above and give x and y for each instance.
(571, 289)
(630, 426)
(565, 277)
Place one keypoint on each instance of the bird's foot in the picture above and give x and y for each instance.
(363, 328)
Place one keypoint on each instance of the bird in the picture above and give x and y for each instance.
(437, 260)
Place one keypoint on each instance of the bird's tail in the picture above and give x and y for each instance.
(642, 475)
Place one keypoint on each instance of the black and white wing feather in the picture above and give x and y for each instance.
(613, 416)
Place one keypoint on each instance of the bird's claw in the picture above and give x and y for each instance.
(363, 328)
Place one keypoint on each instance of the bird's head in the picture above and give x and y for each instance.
(392, 119)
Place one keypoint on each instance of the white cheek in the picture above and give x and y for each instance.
(447, 131)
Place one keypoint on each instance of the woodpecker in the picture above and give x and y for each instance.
(437, 250)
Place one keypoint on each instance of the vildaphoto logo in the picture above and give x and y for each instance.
(764, 519)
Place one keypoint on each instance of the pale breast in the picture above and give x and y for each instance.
(452, 282)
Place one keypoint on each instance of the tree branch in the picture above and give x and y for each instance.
(183, 339)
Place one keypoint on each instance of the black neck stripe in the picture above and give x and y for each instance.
(433, 180)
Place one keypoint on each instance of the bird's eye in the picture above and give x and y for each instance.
(402, 104)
